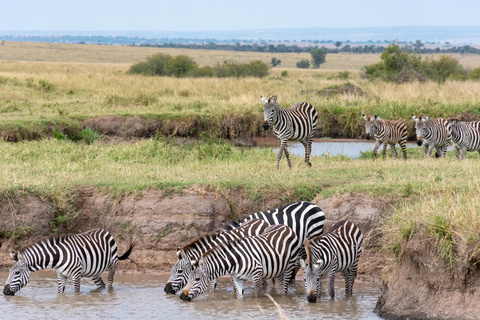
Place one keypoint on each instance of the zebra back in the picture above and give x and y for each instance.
(465, 135)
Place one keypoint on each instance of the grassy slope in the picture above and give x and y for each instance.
(436, 197)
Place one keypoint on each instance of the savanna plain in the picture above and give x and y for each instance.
(49, 93)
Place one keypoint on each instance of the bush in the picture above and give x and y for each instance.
(203, 72)
(475, 74)
(303, 64)
(442, 69)
(318, 56)
(181, 65)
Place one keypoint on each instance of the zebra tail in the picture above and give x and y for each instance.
(126, 255)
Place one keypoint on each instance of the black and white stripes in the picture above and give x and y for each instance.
(266, 256)
(87, 254)
(432, 133)
(336, 251)
(465, 136)
(386, 132)
(296, 123)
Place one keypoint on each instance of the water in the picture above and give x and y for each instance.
(142, 297)
(335, 147)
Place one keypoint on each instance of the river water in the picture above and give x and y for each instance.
(334, 147)
(142, 297)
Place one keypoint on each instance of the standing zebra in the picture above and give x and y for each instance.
(432, 133)
(266, 256)
(305, 218)
(295, 123)
(336, 251)
(191, 252)
(465, 136)
(386, 132)
(74, 256)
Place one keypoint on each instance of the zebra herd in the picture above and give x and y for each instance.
(271, 244)
(298, 123)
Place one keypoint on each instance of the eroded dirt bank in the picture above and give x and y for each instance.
(162, 222)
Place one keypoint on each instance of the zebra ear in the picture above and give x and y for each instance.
(316, 266)
(14, 255)
(182, 254)
(302, 264)
(414, 118)
(201, 263)
(264, 100)
(364, 116)
(273, 99)
(375, 117)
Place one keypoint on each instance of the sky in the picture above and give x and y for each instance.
(216, 15)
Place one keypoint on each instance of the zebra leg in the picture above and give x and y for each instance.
(76, 278)
(283, 145)
(258, 279)
(111, 274)
(99, 282)
(456, 149)
(213, 285)
(464, 153)
(287, 154)
(331, 283)
(430, 150)
(425, 148)
(239, 284)
(377, 144)
(394, 151)
(308, 150)
(403, 145)
(384, 151)
(62, 280)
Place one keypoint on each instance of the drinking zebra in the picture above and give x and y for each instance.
(266, 256)
(74, 256)
(295, 123)
(305, 218)
(465, 136)
(192, 251)
(386, 132)
(432, 133)
(337, 250)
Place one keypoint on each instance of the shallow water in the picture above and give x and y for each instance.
(334, 147)
(142, 297)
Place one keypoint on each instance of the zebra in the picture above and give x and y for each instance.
(432, 133)
(74, 256)
(191, 252)
(266, 256)
(305, 218)
(336, 251)
(295, 123)
(465, 136)
(386, 132)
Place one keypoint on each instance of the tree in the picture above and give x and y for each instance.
(318, 56)
(338, 44)
(417, 45)
(276, 62)
(303, 64)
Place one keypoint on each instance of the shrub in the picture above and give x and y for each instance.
(475, 74)
(318, 56)
(442, 69)
(303, 64)
(181, 65)
(205, 72)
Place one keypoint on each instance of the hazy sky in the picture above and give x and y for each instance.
(216, 15)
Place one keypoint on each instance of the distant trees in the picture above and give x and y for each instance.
(303, 64)
(318, 56)
(183, 66)
(275, 62)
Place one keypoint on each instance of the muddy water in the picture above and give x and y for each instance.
(334, 147)
(142, 297)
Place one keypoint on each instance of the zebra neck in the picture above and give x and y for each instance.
(199, 247)
(42, 255)
(219, 266)
(278, 114)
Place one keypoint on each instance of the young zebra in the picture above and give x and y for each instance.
(386, 132)
(295, 123)
(432, 133)
(191, 252)
(336, 251)
(74, 256)
(266, 256)
(305, 218)
(465, 136)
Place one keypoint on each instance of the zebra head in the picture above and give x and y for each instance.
(420, 126)
(197, 283)
(270, 110)
(19, 275)
(180, 272)
(369, 124)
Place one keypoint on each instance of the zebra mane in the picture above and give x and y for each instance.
(210, 236)
(51, 240)
(223, 245)
(306, 244)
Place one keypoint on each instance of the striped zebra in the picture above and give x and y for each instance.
(295, 123)
(465, 136)
(432, 133)
(194, 250)
(305, 218)
(266, 256)
(386, 132)
(75, 256)
(337, 250)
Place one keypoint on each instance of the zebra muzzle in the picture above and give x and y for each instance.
(311, 297)
(419, 142)
(169, 288)
(7, 291)
(265, 125)
(368, 136)
(185, 297)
